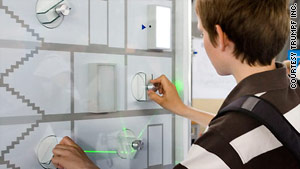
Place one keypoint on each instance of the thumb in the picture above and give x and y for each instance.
(155, 97)
(68, 141)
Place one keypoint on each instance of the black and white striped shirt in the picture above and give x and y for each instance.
(237, 141)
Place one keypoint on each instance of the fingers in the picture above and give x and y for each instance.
(163, 81)
(161, 91)
(58, 166)
(158, 88)
(65, 150)
(61, 154)
(56, 160)
(68, 141)
(153, 96)
(69, 155)
(61, 146)
(60, 151)
(157, 80)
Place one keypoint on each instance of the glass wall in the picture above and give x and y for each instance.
(81, 68)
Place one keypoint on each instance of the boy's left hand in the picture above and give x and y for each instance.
(68, 155)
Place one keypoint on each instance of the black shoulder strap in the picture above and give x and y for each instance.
(268, 115)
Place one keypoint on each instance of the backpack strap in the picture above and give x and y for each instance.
(264, 112)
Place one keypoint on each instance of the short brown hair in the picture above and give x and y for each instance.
(258, 28)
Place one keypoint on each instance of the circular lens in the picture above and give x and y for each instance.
(47, 15)
(138, 85)
(44, 152)
(125, 138)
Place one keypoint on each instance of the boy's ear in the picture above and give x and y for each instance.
(222, 38)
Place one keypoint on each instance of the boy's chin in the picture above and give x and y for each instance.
(221, 73)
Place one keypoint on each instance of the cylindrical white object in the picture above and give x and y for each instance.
(63, 9)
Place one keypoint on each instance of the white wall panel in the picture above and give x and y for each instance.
(82, 61)
(137, 15)
(98, 22)
(73, 30)
(103, 139)
(30, 144)
(14, 132)
(45, 80)
(11, 106)
(3, 167)
(18, 32)
(155, 147)
(116, 20)
(149, 65)
(10, 56)
(206, 81)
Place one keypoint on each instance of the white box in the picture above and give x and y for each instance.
(102, 88)
(159, 35)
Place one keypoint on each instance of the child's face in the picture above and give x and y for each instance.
(214, 53)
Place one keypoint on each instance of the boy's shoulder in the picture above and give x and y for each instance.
(242, 142)
(246, 139)
(238, 141)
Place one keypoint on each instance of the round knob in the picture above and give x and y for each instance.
(63, 9)
(137, 145)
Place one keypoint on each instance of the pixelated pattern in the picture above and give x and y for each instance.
(17, 94)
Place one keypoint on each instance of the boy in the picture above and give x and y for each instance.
(241, 38)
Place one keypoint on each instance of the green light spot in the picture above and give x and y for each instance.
(177, 162)
(178, 85)
(100, 152)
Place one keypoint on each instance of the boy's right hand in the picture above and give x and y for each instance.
(170, 99)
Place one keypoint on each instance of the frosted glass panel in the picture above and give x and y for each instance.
(98, 26)
(155, 141)
(76, 80)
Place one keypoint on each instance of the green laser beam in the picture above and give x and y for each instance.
(100, 152)
(143, 130)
